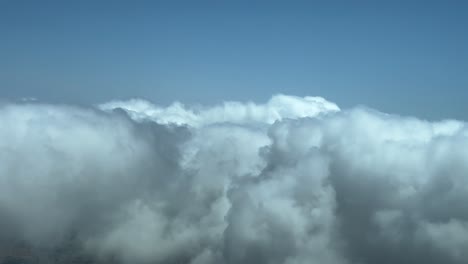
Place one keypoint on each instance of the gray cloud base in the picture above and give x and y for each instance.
(295, 180)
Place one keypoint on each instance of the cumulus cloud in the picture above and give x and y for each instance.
(277, 108)
(293, 181)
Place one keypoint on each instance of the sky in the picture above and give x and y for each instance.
(402, 57)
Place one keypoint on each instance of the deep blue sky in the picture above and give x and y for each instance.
(406, 57)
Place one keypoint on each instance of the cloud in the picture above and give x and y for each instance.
(295, 180)
(277, 108)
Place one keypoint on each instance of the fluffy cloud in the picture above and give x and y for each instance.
(295, 180)
(277, 108)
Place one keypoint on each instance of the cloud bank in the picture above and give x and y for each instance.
(293, 181)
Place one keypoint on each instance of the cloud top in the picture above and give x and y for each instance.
(277, 108)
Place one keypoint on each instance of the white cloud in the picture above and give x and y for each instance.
(295, 180)
(277, 108)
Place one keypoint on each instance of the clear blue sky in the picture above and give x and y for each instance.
(406, 57)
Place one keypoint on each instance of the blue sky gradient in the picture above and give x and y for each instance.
(404, 57)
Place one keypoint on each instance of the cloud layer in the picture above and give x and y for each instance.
(294, 181)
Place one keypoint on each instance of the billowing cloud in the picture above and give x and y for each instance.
(277, 108)
(293, 181)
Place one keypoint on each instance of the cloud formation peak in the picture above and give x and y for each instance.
(277, 108)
